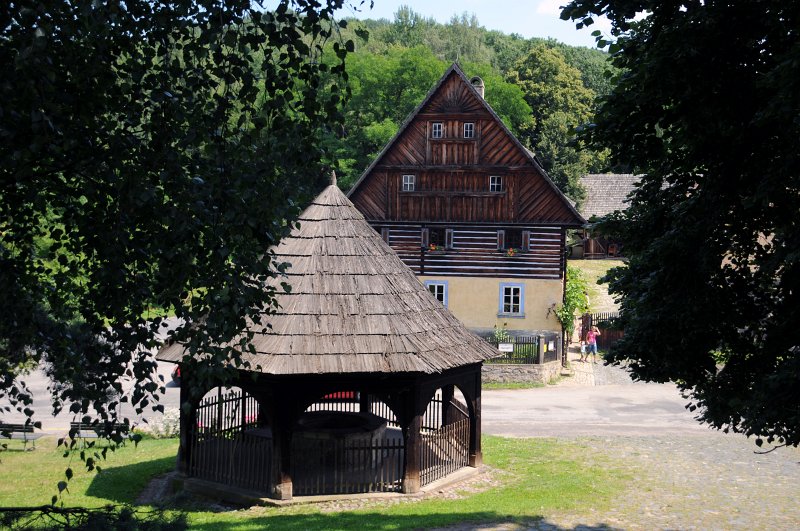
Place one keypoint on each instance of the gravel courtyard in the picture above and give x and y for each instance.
(684, 476)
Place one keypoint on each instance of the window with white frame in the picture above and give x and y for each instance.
(439, 289)
(495, 183)
(512, 300)
(469, 130)
(408, 183)
(437, 130)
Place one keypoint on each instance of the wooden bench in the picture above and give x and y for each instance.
(20, 432)
(94, 431)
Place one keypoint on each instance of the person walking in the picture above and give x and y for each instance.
(591, 343)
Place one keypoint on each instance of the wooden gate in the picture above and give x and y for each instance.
(610, 332)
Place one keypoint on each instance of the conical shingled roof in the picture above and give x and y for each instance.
(354, 307)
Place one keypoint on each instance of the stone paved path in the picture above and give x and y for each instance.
(682, 478)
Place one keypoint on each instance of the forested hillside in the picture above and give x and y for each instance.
(542, 89)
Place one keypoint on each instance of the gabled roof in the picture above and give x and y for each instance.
(607, 192)
(529, 155)
(354, 306)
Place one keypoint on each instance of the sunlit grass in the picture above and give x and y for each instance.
(530, 479)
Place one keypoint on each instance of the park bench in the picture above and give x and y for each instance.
(83, 430)
(20, 432)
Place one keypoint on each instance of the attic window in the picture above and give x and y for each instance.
(469, 130)
(437, 130)
(496, 183)
(408, 183)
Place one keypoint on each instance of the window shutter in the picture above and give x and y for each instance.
(448, 239)
(526, 240)
(501, 239)
(425, 236)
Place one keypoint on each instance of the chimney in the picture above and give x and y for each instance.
(478, 84)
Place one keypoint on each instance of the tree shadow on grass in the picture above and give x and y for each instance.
(122, 484)
(364, 521)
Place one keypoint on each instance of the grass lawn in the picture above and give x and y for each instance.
(599, 299)
(31, 478)
(511, 385)
(534, 478)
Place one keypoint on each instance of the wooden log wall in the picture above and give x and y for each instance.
(461, 194)
(475, 253)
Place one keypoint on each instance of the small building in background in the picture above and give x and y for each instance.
(605, 193)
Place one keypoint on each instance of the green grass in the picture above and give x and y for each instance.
(593, 270)
(511, 385)
(534, 478)
(31, 478)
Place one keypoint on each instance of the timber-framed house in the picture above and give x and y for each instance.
(471, 211)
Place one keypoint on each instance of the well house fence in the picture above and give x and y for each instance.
(230, 448)
(227, 447)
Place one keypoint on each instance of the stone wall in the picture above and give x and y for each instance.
(502, 373)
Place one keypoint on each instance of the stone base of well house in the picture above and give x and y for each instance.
(508, 373)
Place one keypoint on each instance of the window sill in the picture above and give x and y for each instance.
(511, 315)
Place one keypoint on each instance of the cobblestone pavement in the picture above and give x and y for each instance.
(687, 480)
(709, 482)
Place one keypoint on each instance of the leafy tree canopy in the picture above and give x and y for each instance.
(560, 103)
(707, 111)
(387, 87)
(151, 152)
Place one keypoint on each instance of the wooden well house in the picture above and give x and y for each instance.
(361, 382)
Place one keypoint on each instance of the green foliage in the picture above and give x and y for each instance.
(707, 113)
(576, 301)
(387, 87)
(150, 154)
(393, 70)
(501, 335)
(79, 519)
(560, 103)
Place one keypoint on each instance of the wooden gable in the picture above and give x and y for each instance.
(452, 148)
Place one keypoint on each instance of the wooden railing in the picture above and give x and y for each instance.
(444, 451)
(334, 466)
(227, 448)
(226, 414)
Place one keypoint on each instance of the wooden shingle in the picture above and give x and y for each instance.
(354, 307)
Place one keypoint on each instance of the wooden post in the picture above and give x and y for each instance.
(413, 444)
(188, 424)
(541, 348)
(447, 397)
(187, 427)
(282, 420)
(475, 454)
(363, 403)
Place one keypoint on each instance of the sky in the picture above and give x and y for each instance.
(529, 18)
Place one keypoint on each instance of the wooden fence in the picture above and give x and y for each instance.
(336, 466)
(527, 350)
(610, 332)
(227, 448)
(444, 451)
